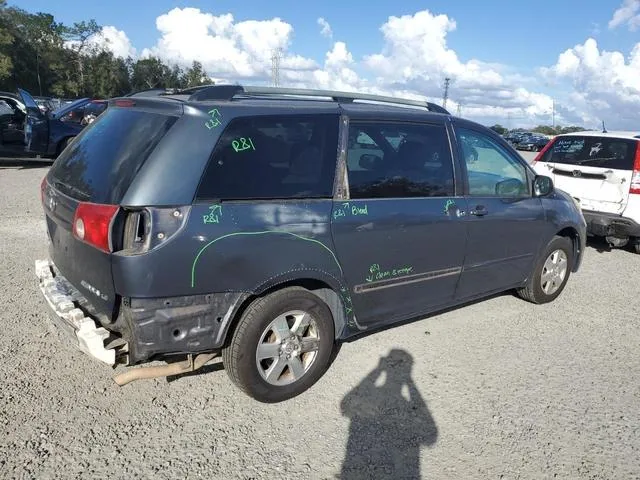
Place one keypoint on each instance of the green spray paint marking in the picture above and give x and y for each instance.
(243, 144)
(214, 215)
(353, 210)
(376, 274)
(236, 234)
(215, 120)
(450, 203)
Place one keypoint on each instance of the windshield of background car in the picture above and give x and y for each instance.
(593, 151)
(100, 164)
(273, 157)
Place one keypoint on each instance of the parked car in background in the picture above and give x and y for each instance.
(298, 224)
(601, 171)
(32, 129)
(13, 116)
(533, 143)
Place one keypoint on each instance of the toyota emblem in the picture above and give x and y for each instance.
(577, 173)
(52, 203)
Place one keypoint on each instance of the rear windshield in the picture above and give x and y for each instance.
(100, 164)
(614, 153)
(273, 157)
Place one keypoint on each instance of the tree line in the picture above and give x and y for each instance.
(544, 129)
(49, 58)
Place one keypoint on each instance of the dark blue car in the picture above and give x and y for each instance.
(28, 131)
(269, 225)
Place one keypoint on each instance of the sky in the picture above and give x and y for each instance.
(513, 63)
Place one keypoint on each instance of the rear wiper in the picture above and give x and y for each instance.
(599, 159)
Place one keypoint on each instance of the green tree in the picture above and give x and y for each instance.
(571, 129)
(6, 40)
(545, 130)
(154, 73)
(195, 76)
(106, 75)
(499, 129)
(79, 45)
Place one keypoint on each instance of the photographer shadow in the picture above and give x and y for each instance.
(390, 422)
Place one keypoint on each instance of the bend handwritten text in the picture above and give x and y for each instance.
(349, 209)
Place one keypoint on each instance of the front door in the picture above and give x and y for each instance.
(400, 237)
(505, 222)
(36, 129)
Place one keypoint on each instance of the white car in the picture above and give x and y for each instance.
(601, 170)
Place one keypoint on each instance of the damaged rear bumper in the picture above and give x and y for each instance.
(145, 328)
(70, 320)
(606, 224)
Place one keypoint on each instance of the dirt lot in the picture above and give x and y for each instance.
(499, 389)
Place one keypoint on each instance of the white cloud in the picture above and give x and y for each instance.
(109, 38)
(225, 48)
(628, 13)
(412, 63)
(326, 28)
(116, 41)
(605, 84)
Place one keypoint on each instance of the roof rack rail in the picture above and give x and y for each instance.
(228, 92)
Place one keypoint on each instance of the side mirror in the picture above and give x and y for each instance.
(542, 186)
(511, 187)
(369, 161)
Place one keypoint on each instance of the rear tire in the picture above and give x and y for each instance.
(281, 346)
(636, 245)
(551, 273)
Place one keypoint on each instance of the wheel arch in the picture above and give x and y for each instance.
(572, 234)
(327, 291)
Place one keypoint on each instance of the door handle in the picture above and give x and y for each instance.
(479, 211)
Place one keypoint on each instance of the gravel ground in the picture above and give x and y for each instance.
(500, 389)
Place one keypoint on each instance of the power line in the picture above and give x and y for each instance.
(445, 97)
(275, 67)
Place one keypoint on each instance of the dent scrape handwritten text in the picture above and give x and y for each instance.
(375, 273)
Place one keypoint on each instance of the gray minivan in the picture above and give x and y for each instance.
(268, 225)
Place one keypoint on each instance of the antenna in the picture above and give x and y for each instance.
(604, 130)
(275, 67)
(446, 92)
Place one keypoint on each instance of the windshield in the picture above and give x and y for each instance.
(100, 164)
(593, 151)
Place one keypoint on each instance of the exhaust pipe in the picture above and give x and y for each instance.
(189, 365)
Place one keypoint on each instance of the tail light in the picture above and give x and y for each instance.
(92, 224)
(543, 151)
(635, 176)
(43, 188)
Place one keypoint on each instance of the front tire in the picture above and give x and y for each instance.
(281, 346)
(551, 273)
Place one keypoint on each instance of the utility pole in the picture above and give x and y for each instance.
(275, 68)
(459, 113)
(553, 113)
(445, 97)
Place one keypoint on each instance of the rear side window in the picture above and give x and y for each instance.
(387, 160)
(100, 164)
(267, 157)
(614, 153)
